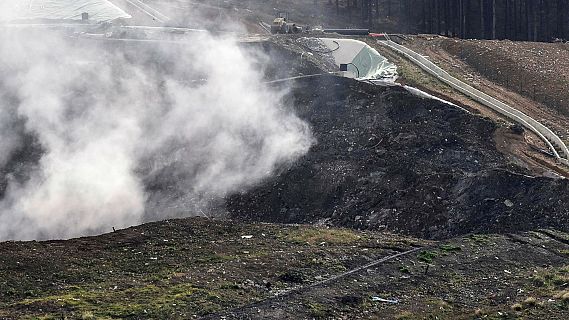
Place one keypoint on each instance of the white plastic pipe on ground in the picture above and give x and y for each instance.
(553, 141)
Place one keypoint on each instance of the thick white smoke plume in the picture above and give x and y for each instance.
(125, 136)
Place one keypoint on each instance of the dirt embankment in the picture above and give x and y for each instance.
(197, 268)
(539, 71)
(388, 160)
(533, 77)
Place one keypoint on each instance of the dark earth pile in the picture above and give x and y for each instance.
(384, 160)
(388, 160)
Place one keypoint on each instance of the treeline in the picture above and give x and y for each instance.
(534, 20)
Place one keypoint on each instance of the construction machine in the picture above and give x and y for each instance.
(281, 25)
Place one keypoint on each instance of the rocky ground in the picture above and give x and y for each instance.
(539, 71)
(386, 160)
(392, 168)
(531, 76)
(194, 268)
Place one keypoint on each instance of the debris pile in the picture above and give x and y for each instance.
(386, 159)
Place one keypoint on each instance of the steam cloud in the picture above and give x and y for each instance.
(128, 137)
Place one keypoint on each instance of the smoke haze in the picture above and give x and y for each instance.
(129, 136)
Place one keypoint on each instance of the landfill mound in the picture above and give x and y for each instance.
(384, 160)
(388, 160)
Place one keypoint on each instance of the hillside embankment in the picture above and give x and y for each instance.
(387, 160)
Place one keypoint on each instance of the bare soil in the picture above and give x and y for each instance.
(386, 160)
(198, 268)
(533, 77)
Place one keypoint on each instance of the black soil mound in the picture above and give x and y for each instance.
(388, 160)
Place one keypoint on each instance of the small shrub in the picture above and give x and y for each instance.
(427, 256)
(404, 269)
(450, 248)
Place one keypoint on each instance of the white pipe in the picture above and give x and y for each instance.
(543, 132)
(153, 16)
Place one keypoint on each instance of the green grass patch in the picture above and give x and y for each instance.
(215, 258)
(318, 310)
(551, 280)
(404, 269)
(480, 239)
(450, 248)
(146, 301)
(427, 256)
(415, 76)
(317, 236)
(405, 315)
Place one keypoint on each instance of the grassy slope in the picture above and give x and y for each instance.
(176, 268)
(194, 267)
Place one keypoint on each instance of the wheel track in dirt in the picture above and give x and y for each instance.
(287, 294)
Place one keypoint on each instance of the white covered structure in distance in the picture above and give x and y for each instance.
(98, 10)
(364, 62)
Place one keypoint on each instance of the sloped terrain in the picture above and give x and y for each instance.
(477, 277)
(528, 75)
(176, 269)
(198, 268)
(384, 160)
(388, 160)
(388, 166)
(544, 67)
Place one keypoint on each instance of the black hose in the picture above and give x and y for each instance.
(318, 51)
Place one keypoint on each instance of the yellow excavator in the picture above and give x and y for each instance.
(281, 25)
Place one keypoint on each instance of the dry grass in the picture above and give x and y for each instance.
(405, 315)
(563, 295)
(530, 302)
(517, 307)
(317, 236)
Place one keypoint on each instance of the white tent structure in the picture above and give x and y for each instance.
(363, 62)
(98, 10)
